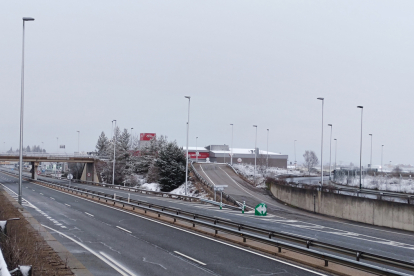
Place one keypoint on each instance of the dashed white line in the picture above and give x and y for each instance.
(67, 205)
(123, 229)
(52, 198)
(41, 193)
(188, 257)
(89, 214)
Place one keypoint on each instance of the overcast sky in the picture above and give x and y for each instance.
(242, 62)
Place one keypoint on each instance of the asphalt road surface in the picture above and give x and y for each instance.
(114, 242)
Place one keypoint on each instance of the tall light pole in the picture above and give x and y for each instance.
(360, 151)
(267, 149)
(255, 154)
(231, 158)
(78, 141)
(370, 161)
(131, 137)
(57, 144)
(294, 148)
(196, 150)
(330, 152)
(113, 165)
(21, 116)
(382, 151)
(186, 157)
(43, 147)
(336, 147)
(323, 100)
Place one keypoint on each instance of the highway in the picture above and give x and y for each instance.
(110, 241)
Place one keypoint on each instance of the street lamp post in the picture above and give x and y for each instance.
(113, 164)
(186, 157)
(78, 141)
(330, 152)
(370, 161)
(336, 147)
(382, 151)
(196, 150)
(57, 144)
(323, 100)
(21, 116)
(255, 154)
(231, 157)
(131, 137)
(267, 150)
(360, 151)
(294, 148)
(43, 147)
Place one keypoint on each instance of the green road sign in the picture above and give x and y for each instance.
(260, 210)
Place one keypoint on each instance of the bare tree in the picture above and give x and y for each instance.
(310, 159)
(76, 169)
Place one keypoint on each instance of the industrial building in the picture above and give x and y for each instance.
(223, 153)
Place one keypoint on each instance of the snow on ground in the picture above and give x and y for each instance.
(383, 183)
(151, 187)
(247, 171)
(192, 191)
(3, 266)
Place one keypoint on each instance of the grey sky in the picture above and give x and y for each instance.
(242, 62)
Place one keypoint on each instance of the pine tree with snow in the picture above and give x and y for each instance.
(171, 166)
(102, 145)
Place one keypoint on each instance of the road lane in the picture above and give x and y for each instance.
(148, 249)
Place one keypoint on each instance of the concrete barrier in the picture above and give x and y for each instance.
(366, 210)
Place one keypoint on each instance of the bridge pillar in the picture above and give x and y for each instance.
(35, 165)
(89, 173)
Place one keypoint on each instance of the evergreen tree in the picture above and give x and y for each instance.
(102, 145)
(171, 166)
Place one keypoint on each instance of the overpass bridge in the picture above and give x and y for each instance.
(89, 171)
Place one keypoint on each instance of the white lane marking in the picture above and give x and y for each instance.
(207, 175)
(122, 272)
(33, 190)
(89, 214)
(195, 234)
(52, 198)
(123, 229)
(188, 257)
(67, 205)
(116, 263)
(41, 193)
(299, 235)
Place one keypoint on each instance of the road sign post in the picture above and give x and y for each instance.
(219, 188)
(70, 177)
(260, 210)
(244, 206)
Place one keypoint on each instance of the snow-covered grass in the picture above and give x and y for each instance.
(155, 187)
(382, 183)
(191, 191)
(3, 266)
(247, 171)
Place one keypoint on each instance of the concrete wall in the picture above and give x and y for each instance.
(366, 210)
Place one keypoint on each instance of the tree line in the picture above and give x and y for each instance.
(160, 161)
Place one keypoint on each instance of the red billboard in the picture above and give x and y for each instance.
(201, 155)
(146, 136)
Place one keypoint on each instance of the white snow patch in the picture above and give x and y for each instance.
(151, 187)
(3, 266)
(3, 225)
(381, 183)
(192, 191)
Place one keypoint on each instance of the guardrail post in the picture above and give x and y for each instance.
(326, 263)
(308, 243)
(244, 204)
(358, 255)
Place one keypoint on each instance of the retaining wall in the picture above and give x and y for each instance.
(366, 210)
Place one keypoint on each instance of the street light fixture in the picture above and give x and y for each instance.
(360, 151)
(323, 100)
(21, 116)
(370, 161)
(113, 164)
(78, 141)
(267, 149)
(330, 152)
(255, 154)
(231, 157)
(188, 130)
(294, 148)
(336, 147)
(196, 150)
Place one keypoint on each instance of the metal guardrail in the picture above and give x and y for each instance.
(408, 198)
(222, 204)
(257, 234)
